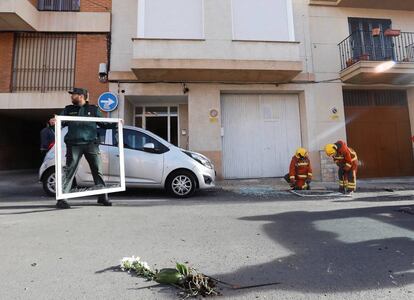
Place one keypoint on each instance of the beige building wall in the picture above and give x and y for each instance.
(183, 126)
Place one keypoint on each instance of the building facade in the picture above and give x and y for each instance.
(369, 45)
(245, 82)
(241, 81)
(46, 48)
(230, 79)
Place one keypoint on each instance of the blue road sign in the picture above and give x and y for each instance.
(108, 101)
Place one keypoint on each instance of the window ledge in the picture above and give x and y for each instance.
(166, 39)
(265, 41)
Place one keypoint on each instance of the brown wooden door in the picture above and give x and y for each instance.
(378, 128)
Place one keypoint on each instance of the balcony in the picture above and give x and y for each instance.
(156, 60)
(362, 53)
(374, 4)
(50, 16)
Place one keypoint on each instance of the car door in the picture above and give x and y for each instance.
(141, 166)
(84, 174)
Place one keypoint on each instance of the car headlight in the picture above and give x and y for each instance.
(200, 159)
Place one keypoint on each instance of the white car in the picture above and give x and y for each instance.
(150, 162)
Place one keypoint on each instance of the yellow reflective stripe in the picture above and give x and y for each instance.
(354, 159)
(303, 164)
(302, 176)
(292, 177)
(338, 157)
(348, 165)
(310, 174)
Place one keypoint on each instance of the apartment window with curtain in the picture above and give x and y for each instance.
(167, 19)
(44, 62)
(264, 20)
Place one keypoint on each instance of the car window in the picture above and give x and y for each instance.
(136, 140)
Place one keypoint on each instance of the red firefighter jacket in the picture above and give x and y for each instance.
(300, 169)
(345, 157)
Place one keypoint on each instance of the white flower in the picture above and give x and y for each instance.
(127, 262)
(145, 265)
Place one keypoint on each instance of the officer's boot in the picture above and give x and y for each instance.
(104, 200)
(62, 204)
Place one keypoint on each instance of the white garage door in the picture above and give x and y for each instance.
(261, 133)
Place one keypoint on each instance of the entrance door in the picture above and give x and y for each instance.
(160, 120)
(378, 128)
(365, 46)
(261, 132)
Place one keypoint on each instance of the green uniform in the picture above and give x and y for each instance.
(82, 139)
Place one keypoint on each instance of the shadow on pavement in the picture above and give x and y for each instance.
(336, 251)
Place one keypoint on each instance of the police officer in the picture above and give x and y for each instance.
(47, 138)
(82, 139)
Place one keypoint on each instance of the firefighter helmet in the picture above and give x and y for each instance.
(301, 152)
(330, 149)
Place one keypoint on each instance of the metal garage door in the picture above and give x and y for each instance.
(260, 134)
(378, 128)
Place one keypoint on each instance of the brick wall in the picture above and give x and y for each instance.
(6, 61)
(95, 5)
(91, 50)
(329, 169)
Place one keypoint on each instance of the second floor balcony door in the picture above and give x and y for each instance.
(365, 45)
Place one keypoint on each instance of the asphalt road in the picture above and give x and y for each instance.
(317, 248)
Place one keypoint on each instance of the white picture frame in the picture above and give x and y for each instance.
(58, 158)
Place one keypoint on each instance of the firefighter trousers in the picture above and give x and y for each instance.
(347, 180)
(300, 184)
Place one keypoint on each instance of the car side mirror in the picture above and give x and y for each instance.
(149, 147)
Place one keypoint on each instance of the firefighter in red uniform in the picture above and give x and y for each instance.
(300, 171)
(347, 161)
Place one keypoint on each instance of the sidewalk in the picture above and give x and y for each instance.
(279, 184)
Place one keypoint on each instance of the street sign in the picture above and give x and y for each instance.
(108, 101)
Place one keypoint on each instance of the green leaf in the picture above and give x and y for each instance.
(182, 268)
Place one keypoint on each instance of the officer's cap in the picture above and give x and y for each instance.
(79, 91)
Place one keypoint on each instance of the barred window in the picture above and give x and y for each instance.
(44, 62)
(375, 97)
(59, 5)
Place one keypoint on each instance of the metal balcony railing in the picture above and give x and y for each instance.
(58, 5)
(363, 45)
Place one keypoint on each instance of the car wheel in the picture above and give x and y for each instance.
(181, 184)
(49, 182)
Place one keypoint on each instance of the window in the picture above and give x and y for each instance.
(44, 62)
(264, 20)
(136, 140)
(59, 5)
(166, 19)
(160, 120)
